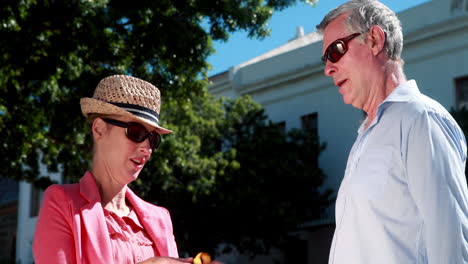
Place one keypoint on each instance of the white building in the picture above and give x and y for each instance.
(289, 82)
(29, 203)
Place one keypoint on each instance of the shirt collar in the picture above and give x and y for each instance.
(402, 93)
(130, 219)
(132, 215)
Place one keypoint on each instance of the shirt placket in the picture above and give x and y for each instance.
(342, 193)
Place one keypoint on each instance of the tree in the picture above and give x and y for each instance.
(55, 52)
(258, 183)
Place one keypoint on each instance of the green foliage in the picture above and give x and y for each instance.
(229, 175)
(226, 168)
(55, 52)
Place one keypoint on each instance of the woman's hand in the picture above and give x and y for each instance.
(166, 260)
(169, 260)
(204, 258)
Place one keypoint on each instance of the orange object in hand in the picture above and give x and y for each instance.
(202, 258)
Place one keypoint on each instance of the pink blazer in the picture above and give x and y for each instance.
(71, 227)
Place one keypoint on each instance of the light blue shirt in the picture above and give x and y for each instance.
(404, 195)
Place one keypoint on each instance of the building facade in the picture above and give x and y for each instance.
(290, 84)
(30, 199)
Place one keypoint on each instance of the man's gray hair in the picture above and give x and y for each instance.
(363, 14)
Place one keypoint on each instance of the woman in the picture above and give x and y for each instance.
(99, 219)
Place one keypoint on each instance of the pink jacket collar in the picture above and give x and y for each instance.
(95, 225)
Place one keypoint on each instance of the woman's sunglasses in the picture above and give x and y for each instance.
(337, 49)
(136, 132)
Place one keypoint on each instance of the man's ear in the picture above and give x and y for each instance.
(376, 38)
(98, 128)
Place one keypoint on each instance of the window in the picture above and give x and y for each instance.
(309, 123)
(458, 6)
(461, 92)
(310, 127)
(282, 127)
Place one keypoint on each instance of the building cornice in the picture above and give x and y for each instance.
(293, 75)
(234, 81)
(454, 24)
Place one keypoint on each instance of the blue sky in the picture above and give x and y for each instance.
(283, 26)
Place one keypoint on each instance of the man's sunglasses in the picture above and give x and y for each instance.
(136, 132)
(337, 49)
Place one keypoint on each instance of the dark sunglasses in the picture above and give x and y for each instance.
(136, 132)
(337, 49)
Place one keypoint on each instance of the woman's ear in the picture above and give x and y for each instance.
(98, 128)
(376, 38)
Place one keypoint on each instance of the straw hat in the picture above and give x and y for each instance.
(128, 97)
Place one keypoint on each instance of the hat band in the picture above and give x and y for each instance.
(139, 111)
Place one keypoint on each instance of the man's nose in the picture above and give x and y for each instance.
(329, 69)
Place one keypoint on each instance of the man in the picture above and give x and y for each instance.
(404, 195)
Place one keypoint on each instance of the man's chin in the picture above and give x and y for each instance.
(347, 100)
(350, 101)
